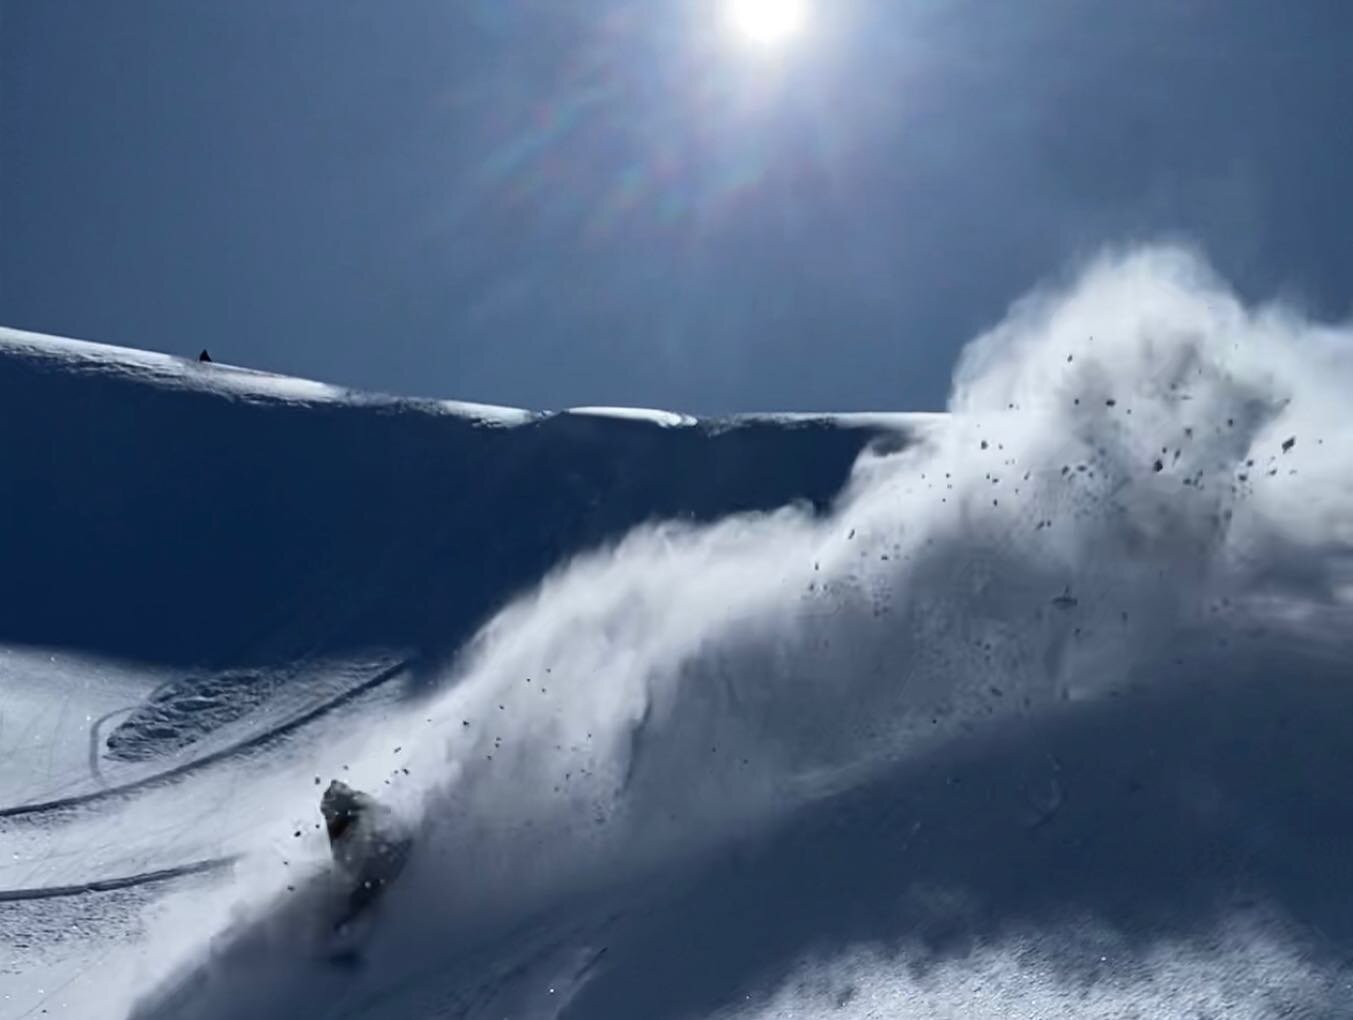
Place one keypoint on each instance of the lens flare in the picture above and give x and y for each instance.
(767, 22)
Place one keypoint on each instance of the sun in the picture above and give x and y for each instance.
(767, 23)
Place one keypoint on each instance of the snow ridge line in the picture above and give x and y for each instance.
(52, 892)
(241, 747)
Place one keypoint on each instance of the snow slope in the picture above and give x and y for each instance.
(1038, 708)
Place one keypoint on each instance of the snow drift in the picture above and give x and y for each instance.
(1047, 695)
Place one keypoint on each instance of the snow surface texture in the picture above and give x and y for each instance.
(1043, 709)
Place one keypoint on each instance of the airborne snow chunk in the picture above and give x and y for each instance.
(1066, 600)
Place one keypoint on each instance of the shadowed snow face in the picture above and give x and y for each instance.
(1128, 462)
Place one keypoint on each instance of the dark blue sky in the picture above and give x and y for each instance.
(555, 202)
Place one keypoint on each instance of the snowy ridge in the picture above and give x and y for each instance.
(52, 353)
(194, 627)
(207, 499)
(153, 368)
(666, 419)
(1036, 709)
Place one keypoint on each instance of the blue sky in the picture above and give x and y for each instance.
(550, 203)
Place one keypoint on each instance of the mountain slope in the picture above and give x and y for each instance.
(1035, 709)
(225, 522)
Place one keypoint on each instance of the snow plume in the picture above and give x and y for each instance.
(1243, 974)
(1127, 460)
(1119, 460)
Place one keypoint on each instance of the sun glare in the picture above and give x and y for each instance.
(767, 22)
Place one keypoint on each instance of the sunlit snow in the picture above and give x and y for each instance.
(1036, 708)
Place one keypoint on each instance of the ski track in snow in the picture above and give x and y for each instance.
(101, 885)
(1042, 718)
(277, 729)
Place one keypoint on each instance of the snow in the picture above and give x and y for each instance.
(50, 353)
(665, 419)
(52, 701)
(778, 715)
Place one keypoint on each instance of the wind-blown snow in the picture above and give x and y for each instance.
(1036, 721)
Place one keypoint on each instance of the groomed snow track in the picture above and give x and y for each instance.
(251, 743)
(121, 882)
